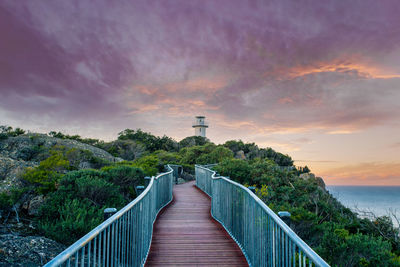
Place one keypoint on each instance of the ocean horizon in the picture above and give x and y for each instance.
(380, 200)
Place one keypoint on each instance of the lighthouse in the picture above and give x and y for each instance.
(200, 126)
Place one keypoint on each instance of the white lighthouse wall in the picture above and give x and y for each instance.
(200, 131)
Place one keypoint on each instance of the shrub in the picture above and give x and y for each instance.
(151, 142)
(192, 141)
(149, 164)
(90, 141)
(252, 151)
(126, 177)
(3, 136)
(77, 206)
(237, 169)
(77, 156)
(48, 173)
(7, 131)
(10, 198)
(217, 155)
(343, 249)
(75, 219)
(126, 149)
(196, 154)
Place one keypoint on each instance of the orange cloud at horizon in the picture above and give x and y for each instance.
(363, 69)
(366, 173)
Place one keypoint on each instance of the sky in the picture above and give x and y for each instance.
(318, 80)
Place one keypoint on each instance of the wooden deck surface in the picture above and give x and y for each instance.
(185, 234)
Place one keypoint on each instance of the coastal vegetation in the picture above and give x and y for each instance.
(76, 183)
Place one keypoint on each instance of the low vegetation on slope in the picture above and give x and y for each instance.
(334, 231)
(64, 187)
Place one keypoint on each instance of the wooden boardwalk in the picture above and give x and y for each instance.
(185, 234)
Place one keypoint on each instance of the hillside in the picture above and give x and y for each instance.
(46, 177)
(27, 150)
(17, 153)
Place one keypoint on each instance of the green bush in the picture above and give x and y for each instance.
(192, 141)
(126, 177)
(77, 205)
(196, 154)
(126, 149)
(151, 142)
(90, 141)
(237, 169)
(252, 151)
(3, 136)
(343, 249)
(165, 157)
(7, 131)
(46, 176)
(5, 201)
(10, 198)
(149, 164)
(74, 219)
(217, 155)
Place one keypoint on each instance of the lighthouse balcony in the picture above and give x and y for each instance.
(200, 124)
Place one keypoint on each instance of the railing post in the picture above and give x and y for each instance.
(108, 212)
(252, 189)
(139, 189)
(147, 180)
(285, 216)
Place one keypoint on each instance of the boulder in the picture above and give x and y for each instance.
(34, 205)
(85, 165)
(32, 251)
(320, 182)
(10, 169)
(187, 176)
(25, 147)
(181, 181)
(306, 176)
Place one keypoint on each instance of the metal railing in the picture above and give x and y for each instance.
(200, 123)
(177, 170)
(124, 239)
(263, 237)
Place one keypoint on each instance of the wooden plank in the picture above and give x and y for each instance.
(185, 234)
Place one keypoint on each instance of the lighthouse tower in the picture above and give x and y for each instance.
(200, 126)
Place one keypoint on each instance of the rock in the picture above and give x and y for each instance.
(85, 165)
(240, 155)
(34, 205)
(187, 176)
(320, 182)
(10, 170)
(28, 147)
(27, 251)
(181, 181)
(306, 176)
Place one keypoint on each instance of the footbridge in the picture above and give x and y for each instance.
(212, 221)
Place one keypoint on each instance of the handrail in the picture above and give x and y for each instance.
(123, 239)
(263, 237)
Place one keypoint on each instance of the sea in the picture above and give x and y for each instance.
(380, 200)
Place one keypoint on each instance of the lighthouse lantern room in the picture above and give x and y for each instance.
(200, 126)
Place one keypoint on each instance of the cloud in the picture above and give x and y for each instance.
(366, 173)
(281, 66)
(317, 161)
